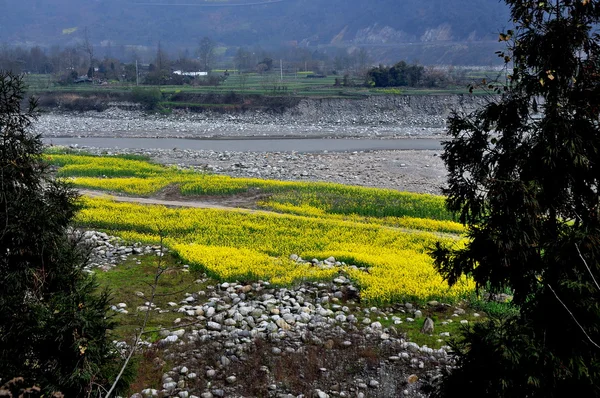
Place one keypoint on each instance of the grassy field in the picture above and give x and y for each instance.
(387, 233)
(301, 84)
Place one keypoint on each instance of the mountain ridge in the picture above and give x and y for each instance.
(181, 24)
(239, 22)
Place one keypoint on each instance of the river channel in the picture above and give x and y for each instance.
(252, 145)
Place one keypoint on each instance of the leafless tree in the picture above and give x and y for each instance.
(88, 48)
(206, 52)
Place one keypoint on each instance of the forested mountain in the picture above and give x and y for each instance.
(181, 23)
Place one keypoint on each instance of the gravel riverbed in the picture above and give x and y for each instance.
(407, 170)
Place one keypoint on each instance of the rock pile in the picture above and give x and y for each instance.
(105, 251)
(214, 340)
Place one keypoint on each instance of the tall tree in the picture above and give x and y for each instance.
(88, 49)
(527, 185)
(206, 53)
(53, 328)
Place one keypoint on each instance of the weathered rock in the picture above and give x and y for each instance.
(428, 326)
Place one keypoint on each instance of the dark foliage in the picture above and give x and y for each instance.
(399, 75)
(53, 328)
(526, 184)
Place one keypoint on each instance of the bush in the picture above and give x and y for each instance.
(149, 98)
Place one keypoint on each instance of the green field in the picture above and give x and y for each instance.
(299, 84)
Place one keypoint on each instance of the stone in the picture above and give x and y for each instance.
(412, 379)
(376, 325)
(171, 339)
(373, 384)
(178, 333)
(320, 394)
(418, 314)
(170, 386)
(231, 379)
(150, 392)
(283, 324)
(210, 373)
(428, 326)
(213, 326)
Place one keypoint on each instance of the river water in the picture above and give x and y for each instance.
(253, 145)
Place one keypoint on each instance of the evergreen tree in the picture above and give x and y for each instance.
(527, 185)
(53, 327)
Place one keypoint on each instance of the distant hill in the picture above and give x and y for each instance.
(181, 23)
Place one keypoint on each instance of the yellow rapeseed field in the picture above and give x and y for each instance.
(385, 232)
(243, 245)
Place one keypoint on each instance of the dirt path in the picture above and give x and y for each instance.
(168, 203)
(211, 205)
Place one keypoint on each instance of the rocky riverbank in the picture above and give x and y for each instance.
(315, 339)
(381, 116)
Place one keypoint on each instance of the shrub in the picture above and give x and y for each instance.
(149, 98)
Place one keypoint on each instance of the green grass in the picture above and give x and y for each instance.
(130, 277)
(268, 84)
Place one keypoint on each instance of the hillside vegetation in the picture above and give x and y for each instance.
(313, 23)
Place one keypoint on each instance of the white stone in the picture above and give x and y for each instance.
(213, 326)
(171, 339)
(178, 333)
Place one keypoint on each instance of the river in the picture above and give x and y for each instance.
(252, 145)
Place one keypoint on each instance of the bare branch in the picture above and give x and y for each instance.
(159, 271)
(573, 316)
(588, 267)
